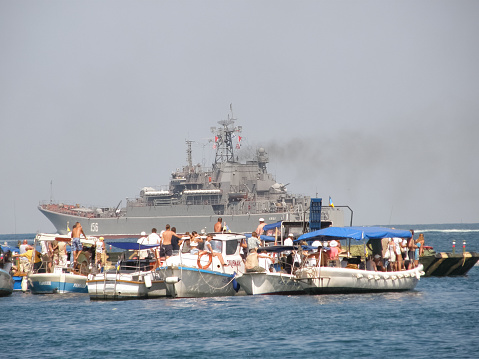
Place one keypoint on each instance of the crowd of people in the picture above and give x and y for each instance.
(395, 254)
(387, 254)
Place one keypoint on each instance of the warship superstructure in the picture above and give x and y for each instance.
(239, 193)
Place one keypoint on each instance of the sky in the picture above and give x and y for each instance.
(372, 103)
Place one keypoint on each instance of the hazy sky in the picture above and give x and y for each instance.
(374, 103)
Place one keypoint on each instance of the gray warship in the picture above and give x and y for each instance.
(239, 193)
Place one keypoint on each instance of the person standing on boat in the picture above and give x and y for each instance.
(219, 225)
(154, 238)
(100, 252)
(24, 263)
(166, 246)
(289, 254)
(259, 229)
(175, 241)
(410, 250)
(76, 246)
(143, 253)
(253, 242)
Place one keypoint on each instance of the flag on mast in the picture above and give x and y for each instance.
(331, 204)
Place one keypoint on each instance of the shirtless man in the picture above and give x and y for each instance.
(166, 243)
(219, 225)
(76, 246)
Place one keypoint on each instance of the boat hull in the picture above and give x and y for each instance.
(255, 283)
(120, 286)
(6, 283)
(50, 283)
(189, 282)
(332, 280)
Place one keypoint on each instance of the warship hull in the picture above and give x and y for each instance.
(126, 226)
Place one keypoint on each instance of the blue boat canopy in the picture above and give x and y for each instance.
(272, 226)
(131, 245)
(357, 233)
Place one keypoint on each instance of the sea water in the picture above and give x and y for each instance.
(440, 318)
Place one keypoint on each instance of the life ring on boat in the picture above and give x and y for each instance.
(201, 254)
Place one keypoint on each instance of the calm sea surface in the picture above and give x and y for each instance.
(440, 318)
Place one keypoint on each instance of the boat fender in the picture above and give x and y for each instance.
(359, 276)
(148, 283)
(400, 276)
(394, 277)
(172, 280)
(201, 254)
(406, 275)
(236, 285)
(370, 276)
(377, 277)
(24, 284)
(386, 277)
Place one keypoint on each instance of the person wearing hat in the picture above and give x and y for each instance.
(143, 240)
(289, 254)
(260, 229)
(333, 253)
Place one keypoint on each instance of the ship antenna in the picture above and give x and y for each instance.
(188, 153)
(223, 139)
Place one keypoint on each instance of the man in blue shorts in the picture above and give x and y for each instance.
(76, 246)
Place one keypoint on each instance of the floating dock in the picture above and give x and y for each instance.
(448, 264)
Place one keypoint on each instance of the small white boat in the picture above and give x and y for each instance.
(131, 279)
(201, 274)
(328, 280)
(62, 279)
(270, 282)
(6, 283)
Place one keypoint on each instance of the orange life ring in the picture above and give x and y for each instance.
(201, 254)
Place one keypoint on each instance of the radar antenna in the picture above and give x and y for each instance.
(189, 158)
(223, 138)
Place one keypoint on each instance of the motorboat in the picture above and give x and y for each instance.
(355, 276)
(273, 280)
(131, 278)
(62, 279)
(194, 273)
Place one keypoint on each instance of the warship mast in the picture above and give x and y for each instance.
(223, 139)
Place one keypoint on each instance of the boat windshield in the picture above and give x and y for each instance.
(231, 247)
(216, 245)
